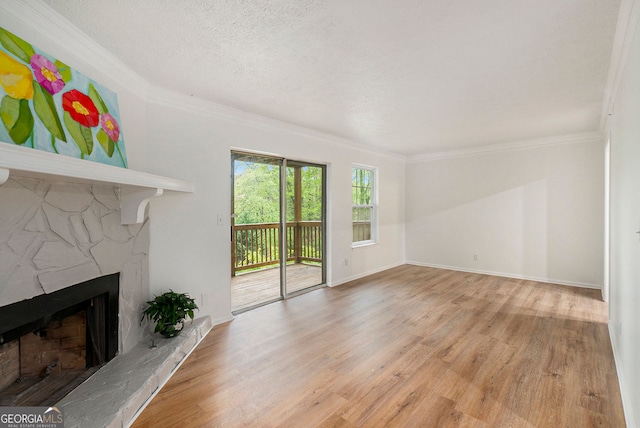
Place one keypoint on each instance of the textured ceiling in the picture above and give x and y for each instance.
(410, 76)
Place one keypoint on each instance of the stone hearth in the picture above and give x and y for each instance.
(119, 391)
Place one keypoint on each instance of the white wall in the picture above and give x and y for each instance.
(190, 139)
(624, 323)
(190, 251)
(531, 213)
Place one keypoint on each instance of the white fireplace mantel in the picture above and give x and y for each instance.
(136, 188)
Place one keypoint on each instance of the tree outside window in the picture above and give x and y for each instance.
(363, 198)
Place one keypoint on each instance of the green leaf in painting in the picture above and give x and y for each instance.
(64, 70)
(97, 99)
(17, 118)
(107, 143)
(46, 110)
(16, 45)
(80, 134)
(88, 137)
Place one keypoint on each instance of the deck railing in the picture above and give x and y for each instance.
(258, 245)
(361, 231)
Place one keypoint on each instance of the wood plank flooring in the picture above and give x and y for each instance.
(251, 288)
(409, 347)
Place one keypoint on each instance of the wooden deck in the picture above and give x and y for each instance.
(250, 289)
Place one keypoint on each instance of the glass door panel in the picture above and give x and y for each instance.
(305, 212)
(255, 230)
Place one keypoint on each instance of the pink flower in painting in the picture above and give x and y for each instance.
(47, 74)
(110, 126)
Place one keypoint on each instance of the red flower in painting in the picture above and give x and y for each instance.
(110, 126)
(80, 108)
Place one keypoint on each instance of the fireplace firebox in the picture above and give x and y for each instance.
(52, 342)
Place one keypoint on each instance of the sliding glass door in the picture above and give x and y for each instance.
(277, 229)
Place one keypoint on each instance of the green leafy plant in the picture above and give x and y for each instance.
(169, 311)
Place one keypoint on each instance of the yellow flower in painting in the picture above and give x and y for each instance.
(15, 78)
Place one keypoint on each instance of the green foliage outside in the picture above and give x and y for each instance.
(361, 180)
(256, 201)
(362, 210)
(257, 193)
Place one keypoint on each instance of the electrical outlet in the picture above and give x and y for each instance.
(475, 257)
(346, 262)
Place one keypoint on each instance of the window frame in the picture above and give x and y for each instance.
(373, 205)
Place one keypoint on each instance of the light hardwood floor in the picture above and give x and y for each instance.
(411, 347)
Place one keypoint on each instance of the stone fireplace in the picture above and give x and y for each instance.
(54, 236)
(61, 224)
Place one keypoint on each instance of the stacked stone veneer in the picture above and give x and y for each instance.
(55, 235)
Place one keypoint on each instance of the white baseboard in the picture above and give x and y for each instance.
(222, 320)
(362, 275)
(508, 275)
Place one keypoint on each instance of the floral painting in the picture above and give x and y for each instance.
(48, 106)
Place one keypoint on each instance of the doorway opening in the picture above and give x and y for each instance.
(277, 229)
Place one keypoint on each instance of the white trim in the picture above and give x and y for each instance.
(362, 275)
(169, 98)
(627, 405)
(374, 205)
(136, 187)
(360, 244)
(28, 162)
(607, 227)
(46, 21)
(589, 137)
(4, 175)
(628, 21)
(508, 275)
(459, 269)
(628, 17)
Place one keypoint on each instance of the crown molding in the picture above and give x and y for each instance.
(628, 18)
(188, 103)
(40, 18)
(589, 137)
(46, 21)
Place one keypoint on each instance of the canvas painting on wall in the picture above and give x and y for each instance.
(46, 105)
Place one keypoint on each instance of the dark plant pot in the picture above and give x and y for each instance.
(172, 330)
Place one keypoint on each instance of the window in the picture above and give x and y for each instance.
(364, 204)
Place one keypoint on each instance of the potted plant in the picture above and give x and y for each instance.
(169, 311)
